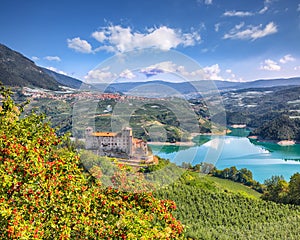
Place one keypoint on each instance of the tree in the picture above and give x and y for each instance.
(46, 194)
(276, 189)
(245, 176)
(233, 173)
(294, 189)
(225, 173)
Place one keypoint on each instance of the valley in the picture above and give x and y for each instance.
(145, 120)
(222, 199)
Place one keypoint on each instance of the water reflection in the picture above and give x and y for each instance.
(264, 159)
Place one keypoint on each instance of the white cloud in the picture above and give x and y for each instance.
(231, 76)
(52, 58)
(237, 14)
(127, 74)
(170, 67)
(251, 32)
(207, 73)
(121, 39)
(79, 45)
(297, 68)
(34, 58)
(269, 29)
(56, 70)
(162, 67)
(217, 27)
(263, 10)
(105, 48)
(213, 72)
(100, 75)
(287, 58)
(206, 2)
(298, 9)
(270, 65)
(239, 26)
(99, 36)
(190, 39)
(245, 13)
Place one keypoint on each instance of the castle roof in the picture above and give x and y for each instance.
(104, 134)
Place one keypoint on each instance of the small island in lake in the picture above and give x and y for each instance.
(286, 142)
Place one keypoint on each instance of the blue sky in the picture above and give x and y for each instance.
(237, 40)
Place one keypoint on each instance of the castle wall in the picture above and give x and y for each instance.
(120, 142)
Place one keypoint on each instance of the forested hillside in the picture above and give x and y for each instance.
(17, 70)
(271, 113)
(280, 128)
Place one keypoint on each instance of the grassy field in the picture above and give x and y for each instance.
(235, 187)
(218, 185)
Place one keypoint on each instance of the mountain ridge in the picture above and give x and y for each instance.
(18, 71)
(199, 86)
(65, 79)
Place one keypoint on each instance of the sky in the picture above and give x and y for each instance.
(235, 40)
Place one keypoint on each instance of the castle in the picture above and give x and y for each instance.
(121, 144)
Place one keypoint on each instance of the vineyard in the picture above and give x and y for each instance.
(219, 214)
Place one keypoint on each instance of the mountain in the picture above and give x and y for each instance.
(270, 83)
(17, 70)
(164, 88)
(65, 80)
(159, 88)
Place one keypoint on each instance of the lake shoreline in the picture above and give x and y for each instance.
(282, 143)
(263, 159)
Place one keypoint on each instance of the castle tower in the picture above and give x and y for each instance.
(88, 131)
(127, 139)
(88, 138)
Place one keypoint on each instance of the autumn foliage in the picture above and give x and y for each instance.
(46, 194)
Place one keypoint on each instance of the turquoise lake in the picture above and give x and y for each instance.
(263, 159)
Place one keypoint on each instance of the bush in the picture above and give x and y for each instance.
(45, 193)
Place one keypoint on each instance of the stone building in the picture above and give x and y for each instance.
(121, 144)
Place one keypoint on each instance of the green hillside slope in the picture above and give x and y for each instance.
(19, 71)
(213, 208)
